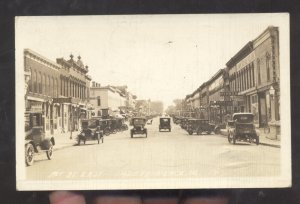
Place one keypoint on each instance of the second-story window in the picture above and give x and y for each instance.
(258, 72)
(98, 101)
(268, 66)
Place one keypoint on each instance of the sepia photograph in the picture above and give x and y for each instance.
(153, 101)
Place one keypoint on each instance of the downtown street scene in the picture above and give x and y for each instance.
(144, 106)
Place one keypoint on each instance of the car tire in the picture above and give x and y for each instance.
(106, 132)
(217, 130)
(190, 132)
(29, 154)
(208, 132)
(49, 152)
(233, 139)
(78, 142)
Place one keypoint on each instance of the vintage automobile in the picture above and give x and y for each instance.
(199, 126)
(225, 130)
(138, 124)
(243, 129)
(36, 142)
(184, 123)
(164, 124)
(120, 125)
(90, 130)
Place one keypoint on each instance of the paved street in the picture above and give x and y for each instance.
(161, 155)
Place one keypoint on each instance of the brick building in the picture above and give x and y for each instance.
(254, 74)
(50, 100)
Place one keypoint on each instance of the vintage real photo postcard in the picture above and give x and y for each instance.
(153, 101)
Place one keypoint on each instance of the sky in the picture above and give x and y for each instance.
(159, 57)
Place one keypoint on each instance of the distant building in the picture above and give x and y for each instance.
(106, 100)
(156, 107)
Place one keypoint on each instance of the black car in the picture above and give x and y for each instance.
(90, 130)
(36, 142)
(165, 124)
(242, 129)
(199, 126)
(138, 124)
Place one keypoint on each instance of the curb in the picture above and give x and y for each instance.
(261, 143)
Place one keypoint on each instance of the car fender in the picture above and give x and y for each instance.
(32, 143)
(46, 143)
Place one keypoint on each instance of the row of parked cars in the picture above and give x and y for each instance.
(36, 141)
(240, 128)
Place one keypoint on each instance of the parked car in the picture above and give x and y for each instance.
(184, 123)
(90, 130)
(36, 142)
(199, 126)
(243, 129)
(225, 130)
(165, 124)
(138, 124)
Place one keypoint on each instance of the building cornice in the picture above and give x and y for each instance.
(39, 58)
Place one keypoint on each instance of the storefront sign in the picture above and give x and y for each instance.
(221, 103)
(229, 93)
(238, 98)
(36, 106)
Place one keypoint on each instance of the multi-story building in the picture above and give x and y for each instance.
(204, 100)
(49, 101)
(254, 74)
(219, 105)
(106, 100)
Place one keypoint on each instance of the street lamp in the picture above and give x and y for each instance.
(272, 92)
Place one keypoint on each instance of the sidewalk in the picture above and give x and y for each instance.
(263, 138)
(62, 140)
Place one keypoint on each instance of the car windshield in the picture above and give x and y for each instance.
(138, 121)
(90, 124)
(164, 120)
(243, 118)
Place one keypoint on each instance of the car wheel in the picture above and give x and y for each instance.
(78, 142)
(106, 132)
(217, 130)
(233, 139)
(29, 153)
(208, 132)
(50, 151)
(190, 132)
(230, 138)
